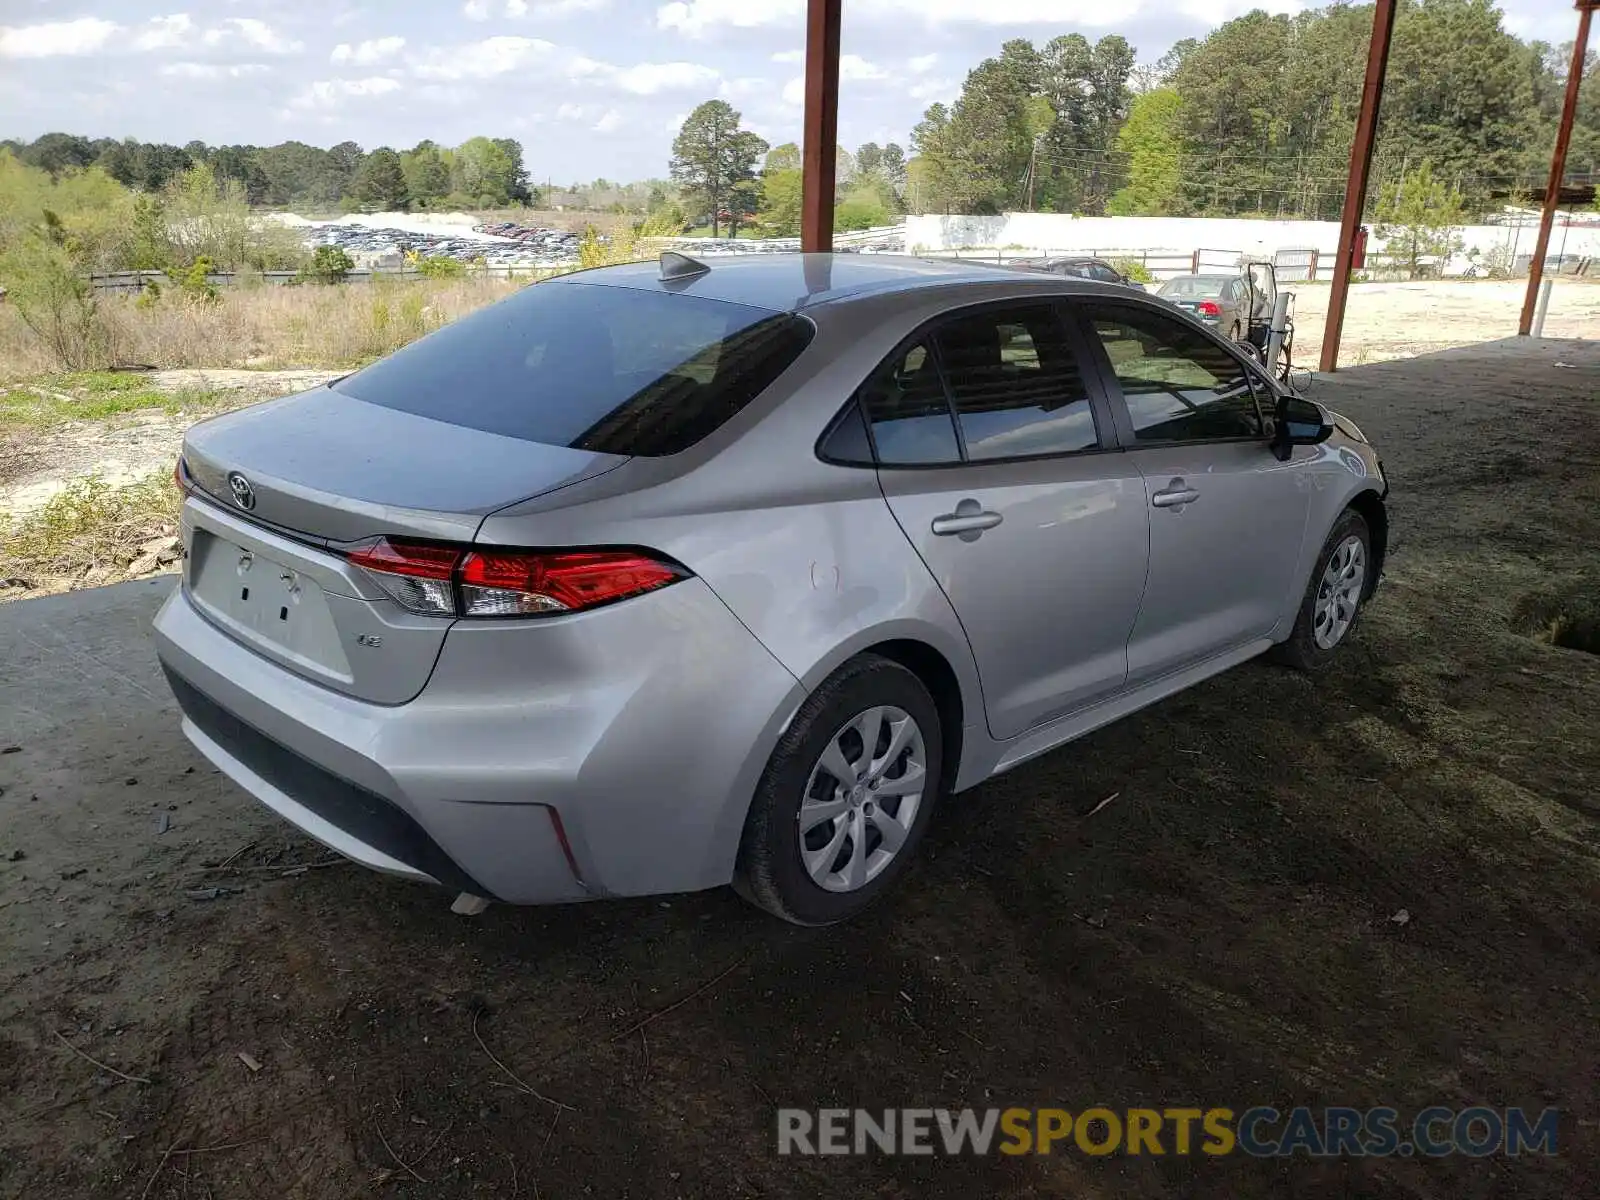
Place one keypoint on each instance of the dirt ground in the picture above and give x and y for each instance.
(1385, 321)
(1223, 932)
(36, 464)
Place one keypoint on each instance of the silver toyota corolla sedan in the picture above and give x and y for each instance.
(660, 577)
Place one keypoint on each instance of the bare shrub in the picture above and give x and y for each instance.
(337, 326)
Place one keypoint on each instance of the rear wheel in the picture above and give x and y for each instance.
(846, 797)
(1333, 598)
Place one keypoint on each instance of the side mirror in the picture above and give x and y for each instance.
(1300, 422)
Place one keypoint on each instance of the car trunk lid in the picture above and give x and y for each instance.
(284, 491)
(326, 466)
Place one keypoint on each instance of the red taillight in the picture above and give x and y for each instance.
(1210, 308)
(180, 475)
(407, 558)
(429, 579)
(510, 583)
(417, 577)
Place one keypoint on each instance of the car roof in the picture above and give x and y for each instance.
(793, 282)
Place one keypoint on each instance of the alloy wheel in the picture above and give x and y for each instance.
(1339, 592)
(862, 798)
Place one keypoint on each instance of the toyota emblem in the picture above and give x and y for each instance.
(243, 494)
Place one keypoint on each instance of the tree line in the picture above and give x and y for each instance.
(714, 165)
(482, 172)
(1256, 118)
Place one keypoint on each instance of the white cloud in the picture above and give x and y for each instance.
(570, 112)
(610, 121)
(483, 60)
(476, 10)
(933, 89)
(794, 92)
(698, 17)
(923, 63)
(565, 8)
(853, 66)
(695, 17)
(164, 33)
(257, 34)
(82, 36)
(789, 56)
(516, 9)
(211, 71)
(745, 85)
(647, 79)
(328, 93)
(366, 53)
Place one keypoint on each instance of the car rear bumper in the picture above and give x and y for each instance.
(606, 753)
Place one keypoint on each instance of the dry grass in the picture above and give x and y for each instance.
(89, 396)
(88, 532)
(269, 327)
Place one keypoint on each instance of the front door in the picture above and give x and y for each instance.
(1226, 517)
(990, 457)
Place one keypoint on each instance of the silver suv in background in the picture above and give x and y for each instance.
(651, 580)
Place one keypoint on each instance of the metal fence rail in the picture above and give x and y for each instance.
(133, 282)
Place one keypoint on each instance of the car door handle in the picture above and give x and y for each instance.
(965, 522)
(1174, 495)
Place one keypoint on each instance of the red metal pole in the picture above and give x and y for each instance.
(820, 144)
(1558, 166)
(1355, 195)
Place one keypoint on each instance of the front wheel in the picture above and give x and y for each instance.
(846, 797)
(1333, 598)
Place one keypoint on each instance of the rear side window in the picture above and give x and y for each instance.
(609, 369)
(1016, 384)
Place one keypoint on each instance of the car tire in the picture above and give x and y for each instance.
(1334, 598)
(806, 866)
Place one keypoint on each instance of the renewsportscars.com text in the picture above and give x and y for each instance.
(1259, 1132)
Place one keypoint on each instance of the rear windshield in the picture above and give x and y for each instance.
(610, 369)
(1196, 285)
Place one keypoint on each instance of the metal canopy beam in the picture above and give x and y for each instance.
(1355, 196)
(1558, 165)
(820, 151)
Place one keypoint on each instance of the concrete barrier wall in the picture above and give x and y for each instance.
(1042, 232)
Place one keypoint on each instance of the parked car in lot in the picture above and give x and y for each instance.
(1218, 301)
(649, 581)
(1079, 268)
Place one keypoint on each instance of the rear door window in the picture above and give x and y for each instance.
(1015, 383)
(610, 369)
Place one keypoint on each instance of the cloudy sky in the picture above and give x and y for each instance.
(590, 87)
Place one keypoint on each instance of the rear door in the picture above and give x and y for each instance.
(989, 440)
(1226, 517)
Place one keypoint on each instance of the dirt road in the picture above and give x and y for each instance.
(1224, 932)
